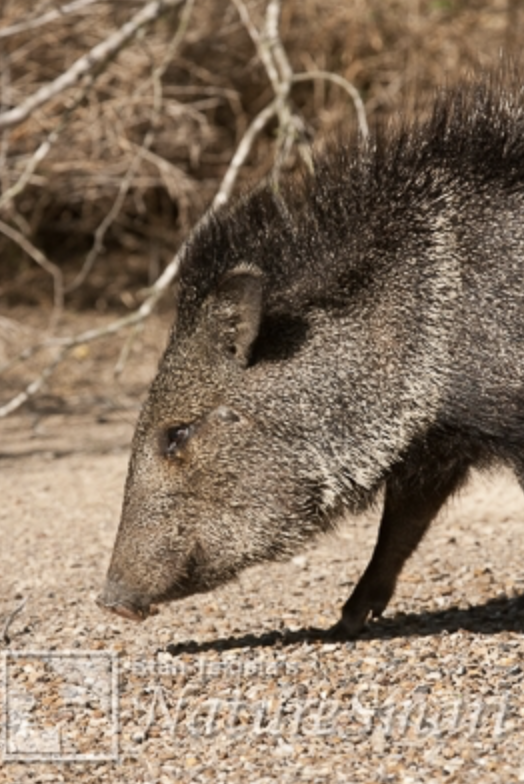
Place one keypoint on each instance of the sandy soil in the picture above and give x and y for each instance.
(236, 686)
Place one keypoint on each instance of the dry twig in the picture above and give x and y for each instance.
(244, 148)
(77, 6)
(9, 620)
(348, 87)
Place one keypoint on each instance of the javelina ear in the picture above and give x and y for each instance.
(237, 311)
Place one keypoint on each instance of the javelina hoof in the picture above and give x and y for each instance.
(340, 631)
(363, 603)
(350, 625)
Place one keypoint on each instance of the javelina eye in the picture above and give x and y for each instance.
(226, 415)
(176, 437)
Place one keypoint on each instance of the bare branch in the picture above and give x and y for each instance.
(126, 350)
(348, 87)
(275, 44)
(32, 388)
(38, 156)
(261, 46)
(70, 8)
(267, 44)
(273, 56)
(42, 260)
(98, 55)
(9, 620)
(242, 151)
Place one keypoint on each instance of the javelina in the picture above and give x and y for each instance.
(361, 328)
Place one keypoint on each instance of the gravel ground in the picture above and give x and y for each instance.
(236, 686)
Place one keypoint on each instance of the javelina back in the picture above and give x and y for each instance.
(363, 327)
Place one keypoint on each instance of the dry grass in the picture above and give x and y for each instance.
(212, 86)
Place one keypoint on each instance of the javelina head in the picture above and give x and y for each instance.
(215, 480)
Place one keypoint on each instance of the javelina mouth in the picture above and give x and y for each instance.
(117, 599)
(128, 611)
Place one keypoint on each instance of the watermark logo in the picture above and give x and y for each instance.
(60, 706)
(92, 706)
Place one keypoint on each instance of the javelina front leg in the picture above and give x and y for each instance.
(413, 499)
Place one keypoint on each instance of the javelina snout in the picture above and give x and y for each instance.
(117, 598)
(358, 328)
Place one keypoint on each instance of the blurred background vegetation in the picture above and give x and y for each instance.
(149, 147)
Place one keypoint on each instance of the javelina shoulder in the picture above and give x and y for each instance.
(359, 327)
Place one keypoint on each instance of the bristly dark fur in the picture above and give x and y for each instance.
(364, 194)
(360, 328)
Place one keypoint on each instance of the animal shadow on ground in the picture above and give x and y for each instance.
(492, 617)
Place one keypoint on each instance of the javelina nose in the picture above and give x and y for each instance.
(118, 599)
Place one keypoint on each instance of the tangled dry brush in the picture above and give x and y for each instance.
(121, 123)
